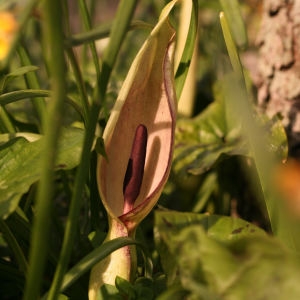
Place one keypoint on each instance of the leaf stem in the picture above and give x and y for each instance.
(53, 35)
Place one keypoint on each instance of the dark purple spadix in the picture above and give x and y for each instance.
(135, 168)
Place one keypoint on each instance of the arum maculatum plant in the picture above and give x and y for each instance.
(139, 139)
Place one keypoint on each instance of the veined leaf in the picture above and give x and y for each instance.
(20, 165)
(232, 260)
(168, 224)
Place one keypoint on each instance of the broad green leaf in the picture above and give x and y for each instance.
(168, 224)
(232, 260)
(248, 268)
(20, 165)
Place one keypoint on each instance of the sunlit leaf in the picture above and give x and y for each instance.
(168, 224)
(232, 260)
(22, 94)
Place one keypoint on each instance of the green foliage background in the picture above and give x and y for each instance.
(218, 231)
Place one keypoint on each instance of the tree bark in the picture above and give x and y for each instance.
(279, 66)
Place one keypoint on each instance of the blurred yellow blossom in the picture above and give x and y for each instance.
(8, 28)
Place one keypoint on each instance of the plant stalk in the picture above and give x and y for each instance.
(53, 36)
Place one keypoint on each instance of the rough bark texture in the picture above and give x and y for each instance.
(279, 65)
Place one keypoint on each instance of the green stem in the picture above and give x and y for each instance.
(14, 245)
(33, 83)
(119, 29)
(80, 84)
(5, 121)
(53, 39)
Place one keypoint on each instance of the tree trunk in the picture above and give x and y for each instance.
(279, 66)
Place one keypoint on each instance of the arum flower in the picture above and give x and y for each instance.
(139, 139)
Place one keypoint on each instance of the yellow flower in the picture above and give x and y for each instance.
(8, 28)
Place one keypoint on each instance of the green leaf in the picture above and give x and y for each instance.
(22, 94)
(168, 224)
(20, 165)
(231, 47)
(228, 260)
(201, 141)
(125, 287)
(22, 71)
(144, 288)
(93, 257)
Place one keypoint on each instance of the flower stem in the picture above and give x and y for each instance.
(53, 35)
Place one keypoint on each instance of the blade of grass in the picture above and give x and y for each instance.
(185, 61)
(93, 257)
(87, 25)
(53, 35)
(120, 26)
(233, 15)
(23, 94)
(5, 121)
